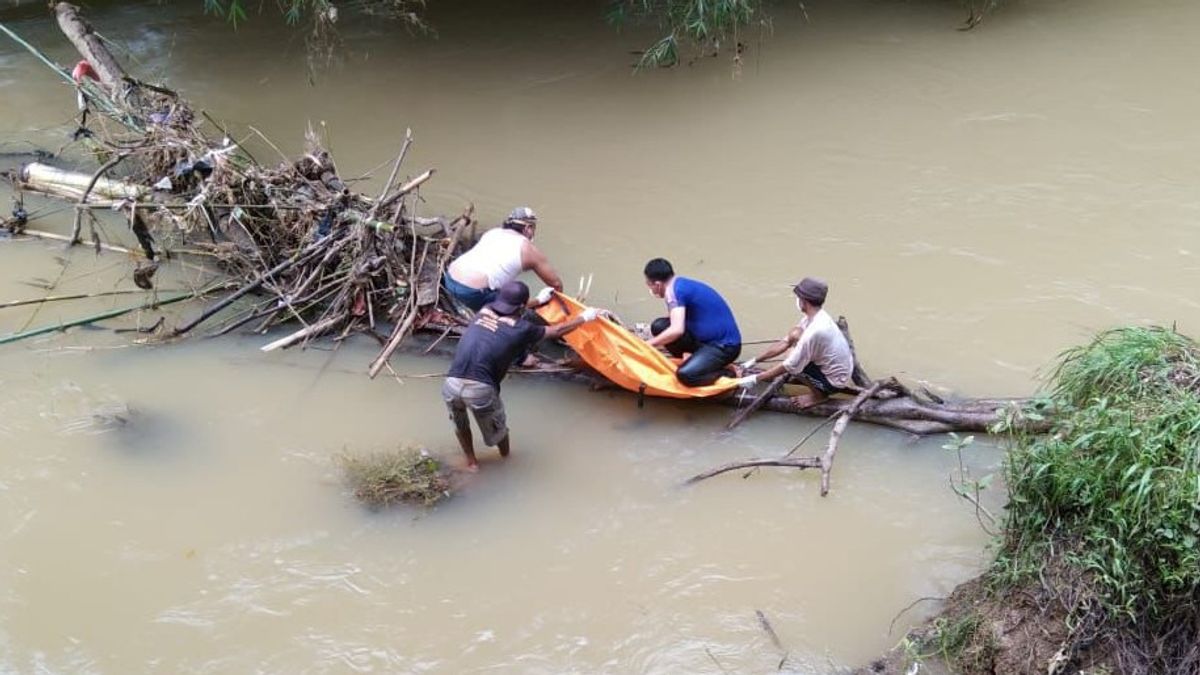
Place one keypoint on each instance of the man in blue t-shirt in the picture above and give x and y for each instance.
(698, 322)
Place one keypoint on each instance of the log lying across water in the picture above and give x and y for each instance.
(303, 250)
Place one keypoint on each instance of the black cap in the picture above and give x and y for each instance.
(511, 298)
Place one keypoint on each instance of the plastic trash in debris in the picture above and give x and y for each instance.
(203, 167)
(164, 184)
(326, 224)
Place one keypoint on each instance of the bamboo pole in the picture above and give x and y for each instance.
(14, 337)
(34, 50)
(76, 296)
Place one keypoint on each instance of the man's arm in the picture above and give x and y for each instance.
(776, 348)
(794, 363)
(678, 316)
(560, 329)
(533, 259)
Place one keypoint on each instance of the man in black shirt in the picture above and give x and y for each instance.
(495, 338)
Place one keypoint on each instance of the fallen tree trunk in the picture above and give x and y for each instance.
(903, 411)
(90, 47)
(914, 415)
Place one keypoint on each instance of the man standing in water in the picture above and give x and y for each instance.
(818, 348)
(475, 277)
(699, 324)
(490, 345)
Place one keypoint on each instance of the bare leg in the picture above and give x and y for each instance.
(468, 448)
(504, 445)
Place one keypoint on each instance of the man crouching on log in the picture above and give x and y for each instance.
(699, 326)
(818, 348)
(492, 342)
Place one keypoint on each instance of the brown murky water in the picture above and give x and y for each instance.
(978, 201)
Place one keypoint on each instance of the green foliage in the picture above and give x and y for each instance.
(967, 486)
(964, 642)
(407, 474)
(1116, 486)
(323, 13)
(705, 23)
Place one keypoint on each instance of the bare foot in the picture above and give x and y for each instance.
(473, 467)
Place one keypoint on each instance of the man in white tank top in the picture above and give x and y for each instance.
(497, 258)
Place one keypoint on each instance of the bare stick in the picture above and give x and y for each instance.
(858, 376)
(229, 299)
(757, 403)
(794, 463)
(270, 143)
(302, 334)
(714, 660)
(408, 139)
(804, 440)
(78, 223)
(394, 341)
(770, 630)
(914, 603)
(406, 188)
(836, 435)
(824, 463)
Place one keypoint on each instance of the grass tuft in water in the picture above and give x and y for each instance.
(407, 475)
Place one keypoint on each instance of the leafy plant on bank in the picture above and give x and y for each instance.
(1114, 490)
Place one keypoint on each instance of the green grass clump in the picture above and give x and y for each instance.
(407, 474)
(1114, 490)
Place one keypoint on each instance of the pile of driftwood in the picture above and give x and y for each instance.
(303, 248)
(295, 246)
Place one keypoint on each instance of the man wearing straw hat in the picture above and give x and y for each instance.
(818, 348)
(475, 277)
(489, 346)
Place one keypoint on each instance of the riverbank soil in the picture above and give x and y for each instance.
(1021, 630)
(1096, 570)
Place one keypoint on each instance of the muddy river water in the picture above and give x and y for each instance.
(978, 202)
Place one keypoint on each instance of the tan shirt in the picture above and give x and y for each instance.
(823, 344)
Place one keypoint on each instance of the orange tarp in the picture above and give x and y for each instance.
(623, 357)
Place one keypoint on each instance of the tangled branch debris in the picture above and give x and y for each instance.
(302, 247)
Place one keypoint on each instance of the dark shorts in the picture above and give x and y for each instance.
(484, 403)
(819, 381)
(472, 298)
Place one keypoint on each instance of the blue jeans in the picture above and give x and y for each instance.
(707, 361)
(473, 298)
